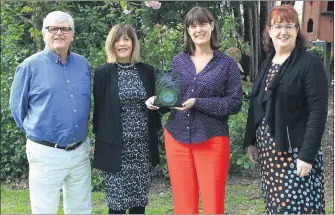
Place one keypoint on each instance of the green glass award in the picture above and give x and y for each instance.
(168, 87)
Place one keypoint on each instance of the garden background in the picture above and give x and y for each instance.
(159, 26)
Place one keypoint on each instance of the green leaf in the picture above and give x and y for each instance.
(123, 4)
(246, 165)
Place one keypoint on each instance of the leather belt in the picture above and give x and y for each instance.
(54, 145)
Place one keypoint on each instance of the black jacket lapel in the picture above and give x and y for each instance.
(113, 89)
(282, 71)
(260, 76)
(144, 76)
(113, 101)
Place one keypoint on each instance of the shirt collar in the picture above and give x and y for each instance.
(54, 57)
(216, 54)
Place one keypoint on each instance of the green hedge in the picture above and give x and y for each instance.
(159, 43)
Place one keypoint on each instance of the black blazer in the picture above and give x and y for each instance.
(107, 117)
(295, 105)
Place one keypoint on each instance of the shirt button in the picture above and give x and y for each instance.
(192, 90)
(76, 126)
(71, 95)
(188, 127)
(188, 114)
(194, 78)
(74, 110)
(68, 81)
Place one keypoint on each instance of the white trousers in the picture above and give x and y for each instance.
(51, 169)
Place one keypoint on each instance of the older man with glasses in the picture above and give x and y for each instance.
(50, 102)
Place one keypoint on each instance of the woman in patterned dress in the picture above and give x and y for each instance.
(286, 119)
(125, 130)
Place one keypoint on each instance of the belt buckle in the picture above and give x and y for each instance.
(67, 148)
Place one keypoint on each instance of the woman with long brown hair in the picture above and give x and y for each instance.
(196, 135)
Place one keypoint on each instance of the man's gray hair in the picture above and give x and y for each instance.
(57, 17)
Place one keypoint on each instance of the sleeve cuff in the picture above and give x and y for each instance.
(306, 159)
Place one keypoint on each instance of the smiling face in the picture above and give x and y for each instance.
(283, 34)
(200, 33)
(123, 48)
(58, 42)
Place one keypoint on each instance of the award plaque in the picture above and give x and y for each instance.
(168, 87)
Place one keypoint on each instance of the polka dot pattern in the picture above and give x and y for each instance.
(284, 191)
(218, 93)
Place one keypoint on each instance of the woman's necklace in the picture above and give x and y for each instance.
(125, 67)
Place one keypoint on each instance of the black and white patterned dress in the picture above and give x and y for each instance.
(285, 192)
(129, 187)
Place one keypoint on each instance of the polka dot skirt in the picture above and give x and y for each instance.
(284, 191)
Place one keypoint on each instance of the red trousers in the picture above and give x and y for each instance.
(192, 166)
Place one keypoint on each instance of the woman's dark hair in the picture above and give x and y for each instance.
(200, 15)
(279, 14)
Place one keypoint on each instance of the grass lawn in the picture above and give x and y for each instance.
(240, 199)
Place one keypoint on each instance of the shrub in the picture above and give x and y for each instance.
(13, 157)
(237, 123)
(159, 43)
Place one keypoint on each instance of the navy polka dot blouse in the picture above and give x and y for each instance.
(218, 93)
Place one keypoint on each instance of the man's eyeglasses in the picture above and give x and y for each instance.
(278, 27)
(54, 29)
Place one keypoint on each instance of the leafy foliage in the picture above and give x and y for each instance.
(161, 44)
(318, 51)
(237, 125)
(161, 37)
(13, 51)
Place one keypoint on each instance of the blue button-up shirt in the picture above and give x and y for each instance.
(217, 90)
(51, 101)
